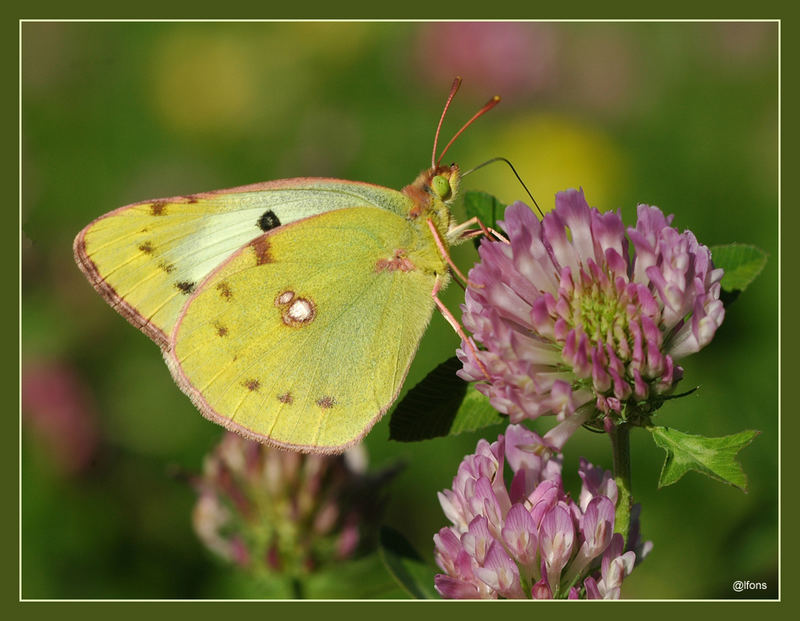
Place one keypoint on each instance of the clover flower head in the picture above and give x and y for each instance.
(530, 539)
(270, 510)
(573, 322)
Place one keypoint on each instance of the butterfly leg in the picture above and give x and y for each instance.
(437, 285)
(462, 231)
(478, 233)
(440, 244)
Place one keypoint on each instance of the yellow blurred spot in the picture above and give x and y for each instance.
(245, 76)
(204, 81)
(552, 153)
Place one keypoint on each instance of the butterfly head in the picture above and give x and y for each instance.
(433, 190)
(445, 181)
(441, 182)
(436, 188)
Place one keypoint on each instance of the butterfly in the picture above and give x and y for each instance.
(288, 311)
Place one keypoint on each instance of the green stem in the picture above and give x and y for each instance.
(298, 592)
(621, 448)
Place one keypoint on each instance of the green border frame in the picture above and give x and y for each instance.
(789, 41)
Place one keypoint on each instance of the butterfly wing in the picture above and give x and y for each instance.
(302, 339)
(146, 259)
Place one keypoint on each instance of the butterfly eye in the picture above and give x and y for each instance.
(441, 186)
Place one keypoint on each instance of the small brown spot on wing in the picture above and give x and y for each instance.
(190, 198)
(185, 286)
(221, 330)
(251, 384)
(158, 208)
(146, 247)
(167, 267)
(225, 290)
(260, 247)
(399, 261)
(286, 398)
(326, 402)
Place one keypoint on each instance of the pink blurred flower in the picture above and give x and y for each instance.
(509, 58)
(59, 410)
(530, 539)
(575, 326)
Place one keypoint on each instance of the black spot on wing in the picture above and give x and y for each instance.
(268, 221)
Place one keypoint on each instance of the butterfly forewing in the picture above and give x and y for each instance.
(303, 338)
(146, 259)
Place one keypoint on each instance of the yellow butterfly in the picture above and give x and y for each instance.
(288, 311)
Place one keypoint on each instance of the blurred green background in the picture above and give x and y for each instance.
(680, 115)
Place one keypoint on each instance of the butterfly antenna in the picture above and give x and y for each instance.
(489, 105)
(453, 90)
(516, 174)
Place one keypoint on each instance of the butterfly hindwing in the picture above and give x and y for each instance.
(146, 259)
(303, 338)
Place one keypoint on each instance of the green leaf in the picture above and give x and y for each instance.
(364, 578)
(714, 457)
(406, 566)
(742, 263)
(475, 413)
(441, 404)
(483, 206)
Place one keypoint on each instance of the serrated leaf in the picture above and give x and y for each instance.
(405, 565)
(483, 206)
(741, 262)
(714, 457)
(441, 404)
